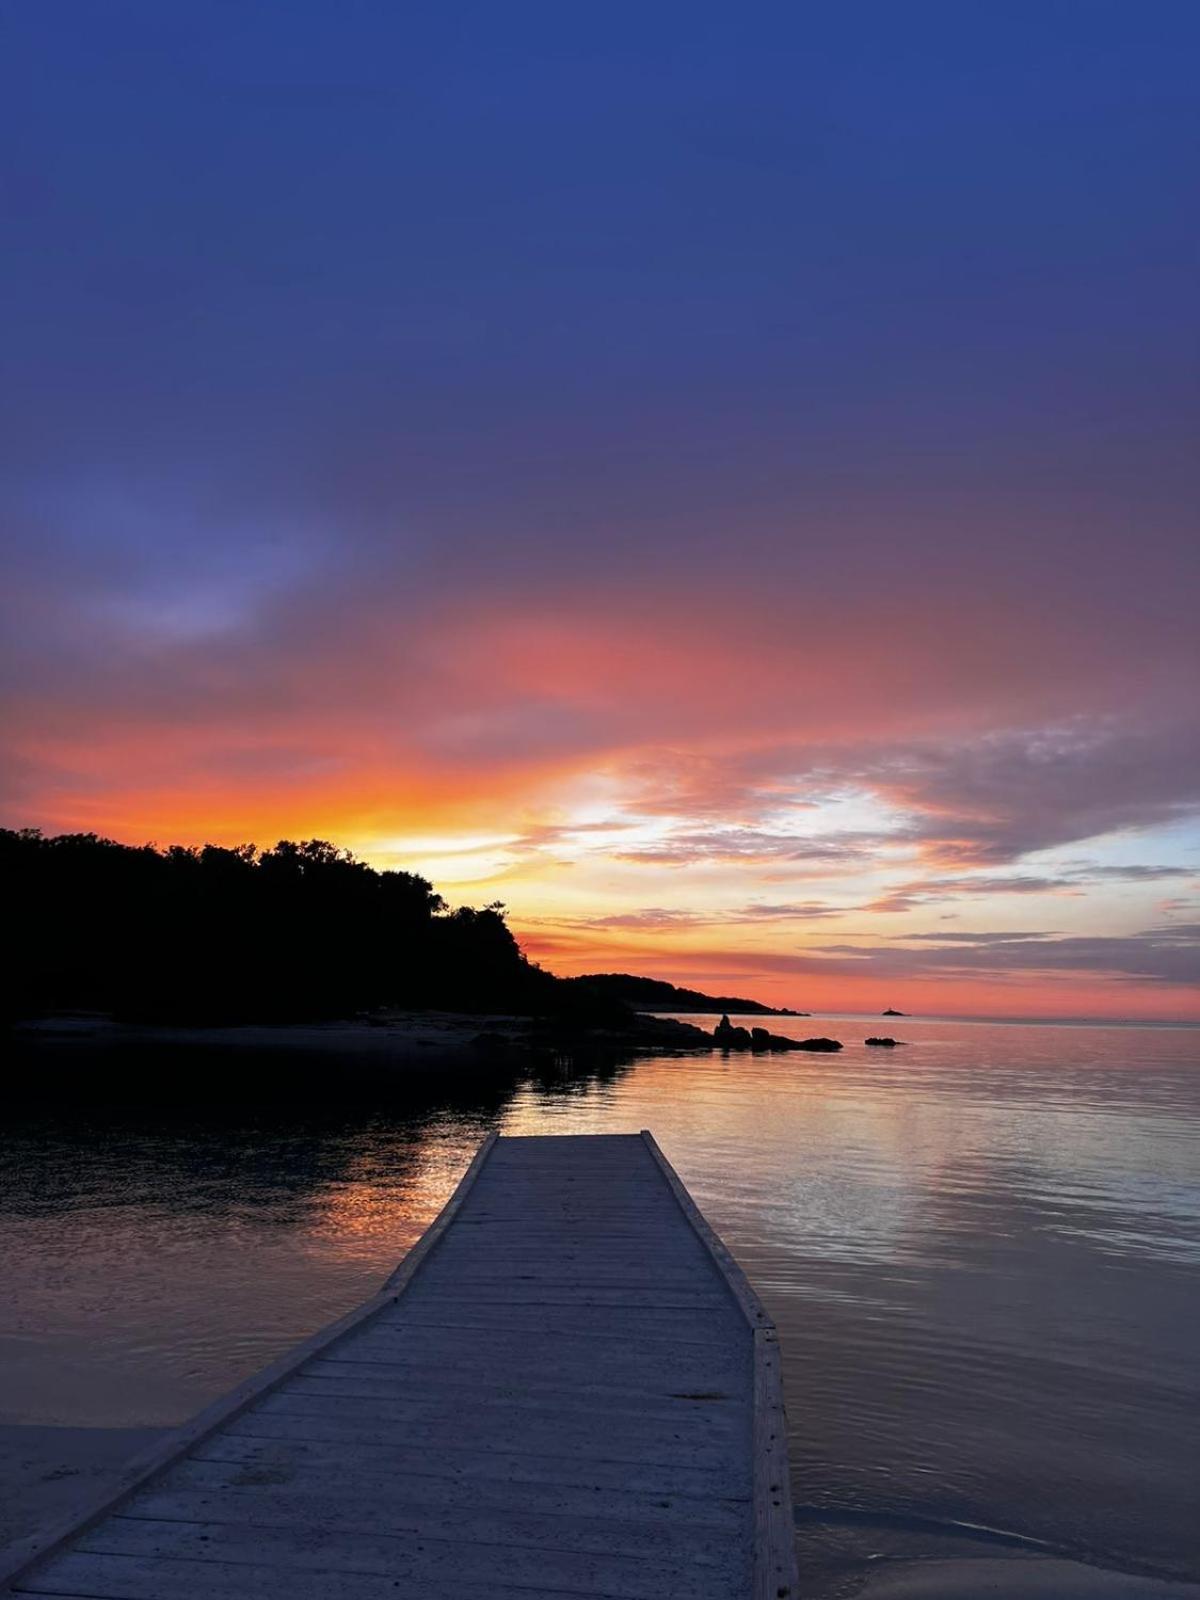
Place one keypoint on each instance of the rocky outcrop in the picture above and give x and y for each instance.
(728, 1037)
(731, 1038)
(887, 1042)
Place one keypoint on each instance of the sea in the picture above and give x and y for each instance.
(981, 1249)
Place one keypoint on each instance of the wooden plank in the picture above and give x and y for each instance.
(436, 1393)
(495, 1293)
(534, 1468)
(367, 1506)
(377, 1482)
(413, 1557)
(634, 1387)
(678, 1420)
(576, 1331)
(477, 1269)
(616, 1321)
(660, 1447)
(80, 1576)
(444, 1347)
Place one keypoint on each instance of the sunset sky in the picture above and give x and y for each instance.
(721, 479)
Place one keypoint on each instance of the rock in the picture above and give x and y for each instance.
(884, 1041)
(727, 1037)
(890, 1013)
(730, 1038)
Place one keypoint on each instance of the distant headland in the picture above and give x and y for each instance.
(654, 994)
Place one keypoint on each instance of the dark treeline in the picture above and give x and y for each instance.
(225, 935)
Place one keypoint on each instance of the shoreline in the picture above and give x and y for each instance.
(47, 1471)
(399, 1038)
(406, 1038)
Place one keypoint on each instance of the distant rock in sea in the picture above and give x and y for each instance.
(886, 1040)
(890, 1013)
(760, 1040)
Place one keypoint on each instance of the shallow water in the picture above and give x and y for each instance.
(981, 1250)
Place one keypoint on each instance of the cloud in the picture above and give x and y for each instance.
(795, 911)
(1131, 874)
(927, 891)
(978, 938)
(661, 919)
(1073, 881)
(687, 847)
(1163, 955)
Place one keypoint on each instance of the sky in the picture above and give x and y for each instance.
(720, 479)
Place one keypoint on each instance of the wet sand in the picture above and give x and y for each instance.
(1015, 1577)
(45, 1473)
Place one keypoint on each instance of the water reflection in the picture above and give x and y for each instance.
(981, 1252)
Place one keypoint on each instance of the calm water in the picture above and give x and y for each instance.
(982, 1251)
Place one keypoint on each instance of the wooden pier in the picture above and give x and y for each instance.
(567, 1388)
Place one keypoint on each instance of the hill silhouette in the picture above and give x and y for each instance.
(654, 994)
(210, 934)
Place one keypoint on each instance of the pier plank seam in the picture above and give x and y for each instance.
(672, 1432)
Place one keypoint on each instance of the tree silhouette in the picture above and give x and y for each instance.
(209, 933)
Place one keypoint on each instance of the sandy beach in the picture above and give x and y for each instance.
(46, 1472)
(1015, 1577)
(386, 1039)
(403, 1038)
